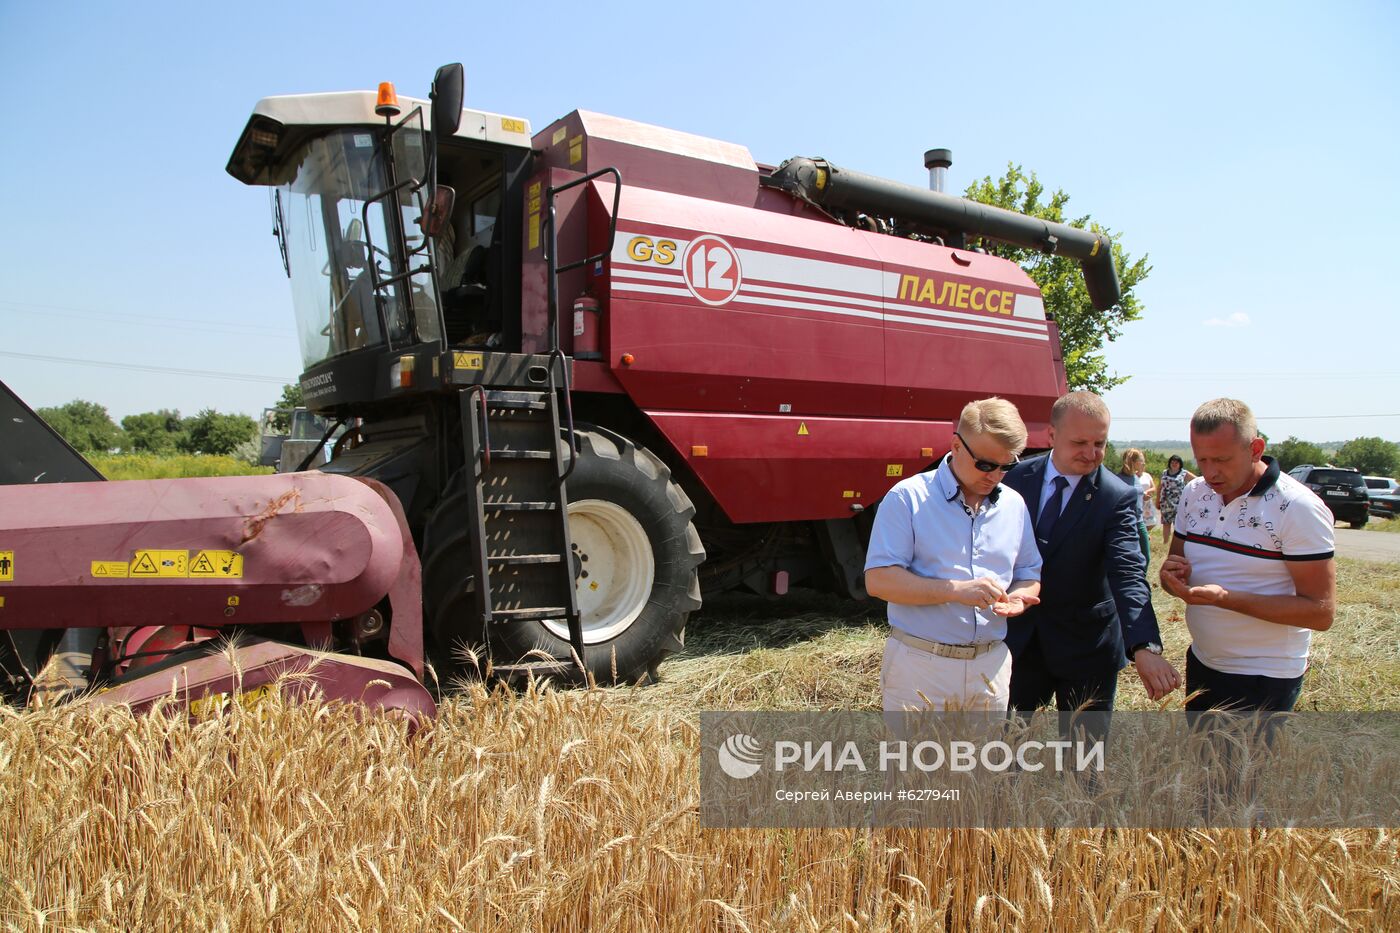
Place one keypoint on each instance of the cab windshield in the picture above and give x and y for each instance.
(340, 239)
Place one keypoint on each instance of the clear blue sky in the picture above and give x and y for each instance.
(1249, 149)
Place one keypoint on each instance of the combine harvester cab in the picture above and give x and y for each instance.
(607, 364)
(131, 586)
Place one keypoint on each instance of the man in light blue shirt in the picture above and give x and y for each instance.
(954, 554)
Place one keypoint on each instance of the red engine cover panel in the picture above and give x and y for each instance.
(729, 325)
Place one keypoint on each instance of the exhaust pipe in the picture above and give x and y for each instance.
(831, 186)
(938, 161)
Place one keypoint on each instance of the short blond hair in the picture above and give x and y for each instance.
(1084, 402)
(995, 418)
(1219, 412)
(1133, 455)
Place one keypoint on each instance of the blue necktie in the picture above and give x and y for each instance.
(1050, 512)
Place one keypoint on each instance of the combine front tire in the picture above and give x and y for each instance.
(635, 554)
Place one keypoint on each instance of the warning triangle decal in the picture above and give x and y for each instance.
(144, 564)
(202, 565)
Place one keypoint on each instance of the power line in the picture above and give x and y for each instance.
(167, 370)
(153, 320)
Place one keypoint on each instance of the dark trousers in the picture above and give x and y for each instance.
(1085, 701)
(1219, 690)
(1033, 684)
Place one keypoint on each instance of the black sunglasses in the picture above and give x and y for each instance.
(985, 466)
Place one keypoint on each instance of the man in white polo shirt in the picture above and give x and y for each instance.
(953, 552)
(1252, 556)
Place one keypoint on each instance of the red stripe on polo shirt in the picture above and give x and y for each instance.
(1233, 546)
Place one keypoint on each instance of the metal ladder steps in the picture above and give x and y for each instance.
(522, 401)
(528, 615)
(494, 506)
(497, 559)
(521, 454)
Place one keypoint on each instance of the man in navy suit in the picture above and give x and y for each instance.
(1095, 611)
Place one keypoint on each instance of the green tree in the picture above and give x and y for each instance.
(1083, 329)
(291, 398)
(211, 432)
(156, 432)
(85, 425)
(1373, 456)
(1293, 452)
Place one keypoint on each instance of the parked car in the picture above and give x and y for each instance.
(1385, 496)
(1343, 490)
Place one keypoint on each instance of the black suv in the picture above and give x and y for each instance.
(1342, 489)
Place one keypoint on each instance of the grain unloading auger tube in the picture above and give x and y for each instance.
(832, 187)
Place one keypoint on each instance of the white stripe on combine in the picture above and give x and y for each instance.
(950, 325)
(798, 293)
(775, 303)
(651, 289)
(1008, 322)
(648, 275)
(804, 306)
(814, 273)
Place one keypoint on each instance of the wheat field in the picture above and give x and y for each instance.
(578, 810)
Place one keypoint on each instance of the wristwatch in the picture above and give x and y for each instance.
(1151, 646)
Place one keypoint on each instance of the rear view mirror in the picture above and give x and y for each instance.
(446, 96)
(439, 210)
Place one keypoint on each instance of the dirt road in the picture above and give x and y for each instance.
(1369, 545)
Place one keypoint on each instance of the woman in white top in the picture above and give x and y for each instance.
(1134, 473)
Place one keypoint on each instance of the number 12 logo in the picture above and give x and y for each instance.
(712, 270)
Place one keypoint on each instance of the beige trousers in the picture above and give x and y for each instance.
(983, 684)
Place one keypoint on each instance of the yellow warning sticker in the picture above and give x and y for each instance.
(575, 154)
(559, 135)
(802, 429)
(106, 569)
(160, 564)
(848, 494)
(466, 361)
(894, 469)
(534, 231)
(512, 126)
(217, 702)
(7, 566)
(535, 190)
(221, 564)
(535, 205)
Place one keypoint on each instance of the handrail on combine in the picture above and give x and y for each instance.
(554, 271)
(552, 242)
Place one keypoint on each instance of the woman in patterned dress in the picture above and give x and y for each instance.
(1174, 480)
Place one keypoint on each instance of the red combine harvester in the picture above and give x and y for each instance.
(587, 374)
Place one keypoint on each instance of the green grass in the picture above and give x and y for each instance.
(1389, 525)
(149, 466)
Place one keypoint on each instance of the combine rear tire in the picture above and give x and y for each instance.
(636, 559)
